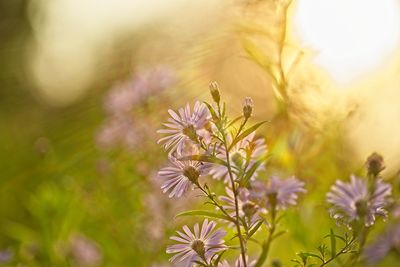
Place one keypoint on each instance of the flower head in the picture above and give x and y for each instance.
(388, 242)
(184, 126)
(125, 96)
(278, 193)
(352, 201)
(238, 262)
(243, 155)
(201, 245)
(181, 176)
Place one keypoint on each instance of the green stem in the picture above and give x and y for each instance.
(207, 194)
(342, 251)
(235, 193)
(267, 244)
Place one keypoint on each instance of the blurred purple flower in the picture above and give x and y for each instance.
(181, 176)
(238, 262)
(386, 243)
(201, 245)
(118, 131)
(277, 192)
(5, 256)
(352, 201)
(85, 252)
(143, 84)
(183, 126)
(122, 127)
(247, 148)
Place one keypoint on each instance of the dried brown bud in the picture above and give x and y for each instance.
(375, 164)
(214, 90)
(247, 107)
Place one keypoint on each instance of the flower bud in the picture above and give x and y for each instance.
(247, 107)
(375, 164)
(214, 90)
(276, 263)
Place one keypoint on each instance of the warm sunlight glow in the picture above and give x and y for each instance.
(350, 37)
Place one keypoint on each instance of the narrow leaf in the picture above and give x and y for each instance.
(205, 158)
(246, 133)
(204, 213)
(254, 228)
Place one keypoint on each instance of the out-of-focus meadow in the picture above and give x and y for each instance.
(84, 85)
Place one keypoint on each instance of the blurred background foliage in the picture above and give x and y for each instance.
(66, 200)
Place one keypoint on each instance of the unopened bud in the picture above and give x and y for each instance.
(375, 164)
(247, 107)
(276, 263)
(214, 90)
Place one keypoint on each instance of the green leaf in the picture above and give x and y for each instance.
(254, 229)
(205, 158)
(234, 120)
(212, 111)
(204, 213)
(249, 173)
(246, 133)
(279, 234)
(305, 255)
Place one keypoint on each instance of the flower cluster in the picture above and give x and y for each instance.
(203, 142)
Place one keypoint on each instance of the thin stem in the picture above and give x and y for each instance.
(267, 244)
(235, 194)
(234, 189)
(214, 202)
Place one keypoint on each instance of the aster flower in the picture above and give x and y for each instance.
(118, 131)
(247, 209)
(85, 252)
(388, 242)
(183, 126)
(278, 193)
(238, 262)
(246, 151)
(352, 201)
(201, 245)
(125, 96)
(181, 176)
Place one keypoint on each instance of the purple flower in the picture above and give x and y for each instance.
(124, 97)
(238, 262)
(388, 242)
(278, 193)
(352, 201)
(242, 155)
(181, 176)
(201, 245)
(119, 131)
(122, 126)
(6, 256)
(184, 126)
(85, 252)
